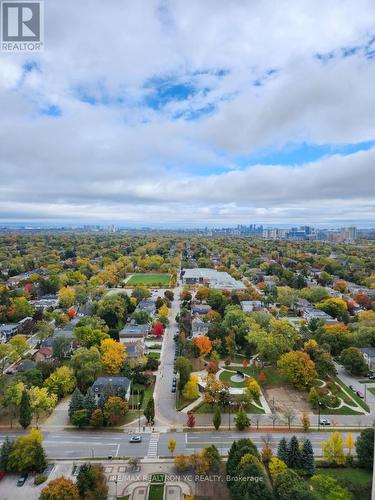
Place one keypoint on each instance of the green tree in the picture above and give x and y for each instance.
(87, 366)
(26, 414)
(149, 411)
(79, 418)
(282, 450)
(89, 402)
(353, 361)
(212, 455)
(12, 399)
(294, 458)
(307, 457)
(88, 336)
(91, 482)
(61, 347)
(327, 487)
(5, 451)
(242, 420)
(365, 449)
(27, 453)
(288, 485)
(61, 382)
(76, 402)
(216, 420)
(41, 402)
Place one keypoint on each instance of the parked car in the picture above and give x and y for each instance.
(173, 388)
(352, 388)
(135, 439)
(372, 376)
(324, 421)
(22, 479)
(360, 394)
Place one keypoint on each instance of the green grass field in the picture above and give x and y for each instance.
(156, 492)
(149, 279)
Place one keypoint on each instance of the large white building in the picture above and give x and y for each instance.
(211, 278)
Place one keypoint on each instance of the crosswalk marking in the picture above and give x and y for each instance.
(153, 445)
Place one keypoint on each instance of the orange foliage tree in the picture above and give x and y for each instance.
(204, 344)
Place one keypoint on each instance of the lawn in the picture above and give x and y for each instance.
(156, 492)
(344, 410)
(154, 355)
(226, 376)
(372, 390)
(151, 279)
(273, 376)
(356, 398)
(208, 408)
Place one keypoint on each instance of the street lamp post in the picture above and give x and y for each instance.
(139, 416)
(319, 416)
(229, 405)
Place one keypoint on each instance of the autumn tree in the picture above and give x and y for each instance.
(204, 344)
(27, 453)
(353, 361)
(171, 446)
(190, 420)
(113, 355)
(60, 488)
(157, 329)
(66, 296)
(87, 365)
(115, 408)
(61, 382)
(298, 367)
(88, 336)
(191, 388)
(333, 449)
(42, 402)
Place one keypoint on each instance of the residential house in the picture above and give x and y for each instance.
(117, 384)
(132, 330)
(43, 354)
(135, 348)
(251, 305)
(199, 327)
(147, 305)
(7, 331)
(368, 354)
(312, 313)
(200, 309)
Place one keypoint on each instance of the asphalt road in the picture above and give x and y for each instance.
(82, 444)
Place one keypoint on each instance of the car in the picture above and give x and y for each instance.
(174, 380)
(372, 376)
(2, 474)
(22, 479)
(324, 421)
(135, 439)
(352, 388)
(173, 388)
(360, 394)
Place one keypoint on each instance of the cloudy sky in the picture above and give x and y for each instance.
(192, 112)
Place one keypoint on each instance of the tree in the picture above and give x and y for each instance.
(204, 344)
(191, 388)
(276, 467)
(149, 411)
(141, 317)
(216, 420)
(305, 420)
(76, 402)
(61, 346)
(327, 487)
(87, 366)
(242, 420)
(349, 443)
(113, 355)
(288, 485)
(282, 450)
(27, 453)
(89, 402)
(253, 388)
(41, 402)
(115, 408)
(313, 397)
(307, 457)
(157, 329)
(298, 368)
(66, 296)
(337, 308)
(353, 361)
(97, 418)
(60, 488)
(61, 382)
(5, 451)
(44, 330)
(183, 366)
(91, 482)
(12, 398)
(190, 420)
(212, 456)
(19, 346)
(79, 418)
(365, 449)
(333, 449)
(88, 336)
(171, 445)
(294, 454)
(26, 415)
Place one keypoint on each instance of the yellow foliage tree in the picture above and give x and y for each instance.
(350, 443)
(333, 449)
(276, 466)
(66, 296)
(113, 355)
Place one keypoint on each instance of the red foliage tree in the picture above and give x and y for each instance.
(245, 363)
(71, 312)
(190, 420)
(158, 329)
(262, 377)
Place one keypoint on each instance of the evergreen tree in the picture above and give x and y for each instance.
(149, 411)
(282, 450)
(26, 414)
(40, 460)
(101, 401)
(76, 403)
(89, 403)
(307, 457)
(5, 451)
(294, 454)
(217, 418)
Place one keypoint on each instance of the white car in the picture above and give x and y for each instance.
(324, 421)
(135, 439)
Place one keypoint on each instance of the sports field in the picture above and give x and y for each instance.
(149, 279)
